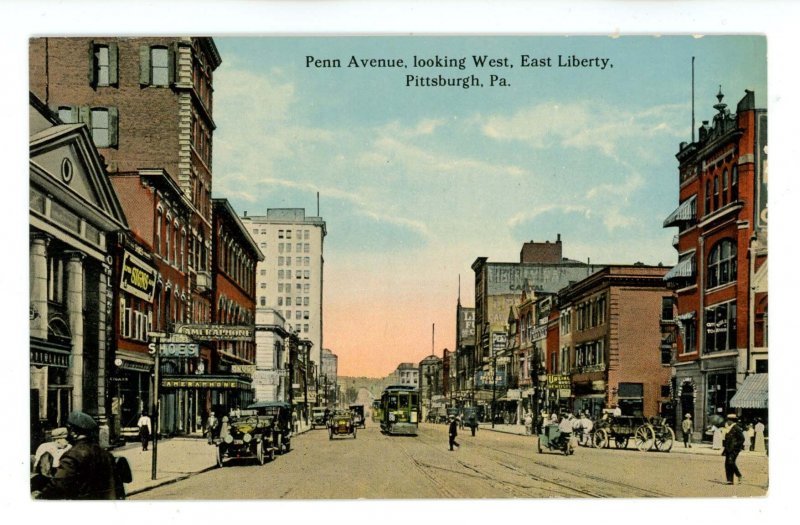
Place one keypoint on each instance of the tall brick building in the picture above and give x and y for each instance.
(720, 278)
(147, 103)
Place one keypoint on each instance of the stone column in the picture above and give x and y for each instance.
(38, 284)
(75, 314)
(39, 310)
(104, 304)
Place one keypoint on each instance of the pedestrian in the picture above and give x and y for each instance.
(759, 443)
(617, 411)
(749, 434)
(528, 424)
(453, 432)
(732, 446)
(586, 429)
(687, 427)
(48, 455)
(85, 471)
(211, 427)
(145, 429)
(716, 437)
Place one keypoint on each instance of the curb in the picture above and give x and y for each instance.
(168, 481)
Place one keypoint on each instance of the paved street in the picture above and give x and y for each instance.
(489, 465)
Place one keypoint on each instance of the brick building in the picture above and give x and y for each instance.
(613, 324)
(720, 278)
(147, 103)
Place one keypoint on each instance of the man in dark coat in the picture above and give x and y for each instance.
(453, 432)
(86, 471)
(731, 446)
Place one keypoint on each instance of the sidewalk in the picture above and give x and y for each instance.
(177, 458)
(677, 446)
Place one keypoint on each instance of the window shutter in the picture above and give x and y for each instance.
(113, 64)
(113, 126)
(92, 68)
(172, 62)
(144, 65)
(85, 115)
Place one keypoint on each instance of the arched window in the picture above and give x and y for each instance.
(725, 187)
(722, 263)
(707, 199)
(716, 192)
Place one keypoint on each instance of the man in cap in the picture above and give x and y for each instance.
(731, 446)
(86, 471)
(687, 428)
(453, 432)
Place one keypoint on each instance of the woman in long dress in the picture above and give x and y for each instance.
(716, 437)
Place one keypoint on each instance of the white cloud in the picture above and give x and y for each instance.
(585, 125)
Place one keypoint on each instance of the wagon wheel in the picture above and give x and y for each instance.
(260, 453)
(600, 438)
(220, 453)
(621, 440)
(644, 437)
(664, 439)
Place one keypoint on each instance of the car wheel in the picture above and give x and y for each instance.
(260, 453)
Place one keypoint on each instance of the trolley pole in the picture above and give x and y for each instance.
(156, 349)
(494, 382)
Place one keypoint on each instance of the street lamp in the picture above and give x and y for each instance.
(494, 381)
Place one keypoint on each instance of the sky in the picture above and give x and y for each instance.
(415, 183)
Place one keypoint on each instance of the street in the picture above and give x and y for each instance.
(489, 465)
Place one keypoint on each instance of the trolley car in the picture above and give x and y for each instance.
(400, 410)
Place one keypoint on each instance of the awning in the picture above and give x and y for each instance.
(687, 211)
(753, 393)
(687, 316)
(684, 269)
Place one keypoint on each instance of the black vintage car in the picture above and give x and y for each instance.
(358, 415)
(281, 414)
(341, 423)
(245, 434)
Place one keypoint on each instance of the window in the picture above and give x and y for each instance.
(280, 234)
(689, 334)
(707, 199)
(157, 240)
(720, 322)
(280, 301)
(103, 70)
(288, 301)
(167, 238)
(280, 247)
(306, 261)
(68, 114)
(298, 274)
(305, 301)
(305, 314)
(306, 248)
(280, 288)
(263, 245)
(725, 187)
(101, 65)
(297, 315)
(305, 234)
(280, 261)
(305, 328)
(263, 301)
(299, 247)
(667, 310)
(298, 261)
(263, 286)
(288, 261)
(159, 66)
(280, 274)
(288, 236)
(288, 247)
(298, 287)
(101, 127)
(716, 192)
(306, 288)
(263, 271)
(306, 274)
(722, 264)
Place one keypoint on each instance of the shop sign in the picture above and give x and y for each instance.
(138, 278)
(499, 340)
(171, 348)
(559, 381)
(599, 386)
(217, 332)
(243, 369)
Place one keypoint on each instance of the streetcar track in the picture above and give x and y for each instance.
(439, 484)
(637, 491)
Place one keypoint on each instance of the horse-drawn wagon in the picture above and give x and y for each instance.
(647, 433)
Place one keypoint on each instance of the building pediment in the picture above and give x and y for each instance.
(65, 163)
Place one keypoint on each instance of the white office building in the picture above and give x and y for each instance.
(290, 277)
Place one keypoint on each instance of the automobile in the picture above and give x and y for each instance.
(245, 434)
(358, 415)
(281, 414)
(341, 423)
(319, 417)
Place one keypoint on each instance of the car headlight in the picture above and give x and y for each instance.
(229, 439)
(247, 438)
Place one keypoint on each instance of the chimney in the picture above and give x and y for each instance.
(558, 238)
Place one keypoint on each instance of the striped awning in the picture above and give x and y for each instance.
(754, 392)
(687, 211)
(684, 269)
